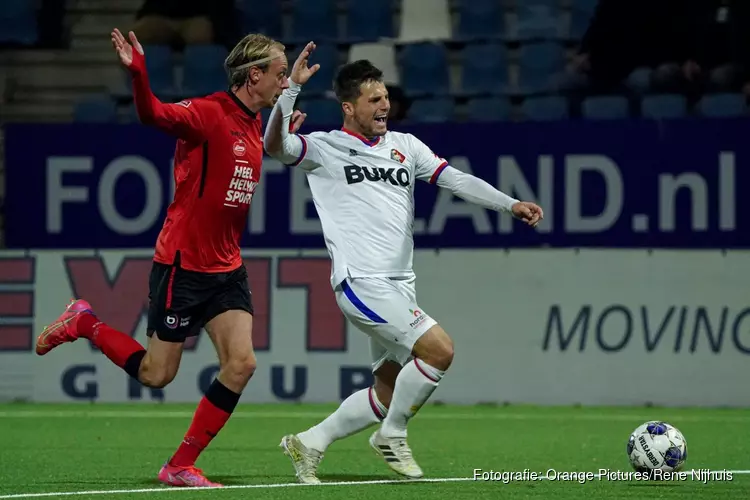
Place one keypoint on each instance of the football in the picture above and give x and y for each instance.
(657, 446)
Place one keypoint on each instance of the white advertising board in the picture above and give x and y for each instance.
(595, 327)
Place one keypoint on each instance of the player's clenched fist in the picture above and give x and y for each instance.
(123, 48)
(300, 72)
(528, 212)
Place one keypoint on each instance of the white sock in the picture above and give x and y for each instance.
(357, 412)
(414, 385)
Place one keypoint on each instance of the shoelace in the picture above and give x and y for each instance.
(402, 450)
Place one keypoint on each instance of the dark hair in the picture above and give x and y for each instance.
(350, 78)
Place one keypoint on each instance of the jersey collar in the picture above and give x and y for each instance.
(241, 105)
(362, 138)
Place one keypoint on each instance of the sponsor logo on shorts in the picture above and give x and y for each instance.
(171, 321)
(420, 317)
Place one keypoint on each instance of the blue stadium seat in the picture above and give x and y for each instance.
(437, 110)
(549, 108)
(316, 21)
(95, 109)
(639, 80)
(581, 13)
(480, 20)
(261, 17)
(321, 111)
(722, 105)
(265, 114)
(18, 23)
(584, 6)
(537, 20)
(369, 21)
(424, 69)
(160, 69)
(539, 64)
(489, 109)
(327, 55)
(484, 69)
(664, 106)
(204, 69)
(610, 107)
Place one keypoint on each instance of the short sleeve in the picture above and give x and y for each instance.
(427, 165)
(311, 156)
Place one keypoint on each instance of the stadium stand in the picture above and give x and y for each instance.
(504, 51)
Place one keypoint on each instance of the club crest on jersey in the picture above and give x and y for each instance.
(239, 148)
(397, 156)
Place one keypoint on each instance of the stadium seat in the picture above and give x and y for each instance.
(581, 12)
(160, 67)
(480, 20)
(424, 20)
(424, 69)
(369, 21)
(382, 55)
(722, 105)
(639, 80)
(549, 108)
(327, 55)
(664, 106)
(537, 20)
(262, 17)
(584, 6)
(321, 112)
(95, 109)
(484, 69)
(489, 109)
(431, 110)
(18, 22)
(314, 21)
(204, 69)
(539, 64)
(265, 113)
(610, 107)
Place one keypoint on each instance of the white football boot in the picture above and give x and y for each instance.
(397, 455)
(304, 459)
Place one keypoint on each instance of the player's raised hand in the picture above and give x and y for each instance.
(528, 212)
(123, 48)
(298, 118)
(300, 72)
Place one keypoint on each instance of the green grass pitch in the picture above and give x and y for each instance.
(115, 451)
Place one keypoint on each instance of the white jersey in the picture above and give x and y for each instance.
(364, 194)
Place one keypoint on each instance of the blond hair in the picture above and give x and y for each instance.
(254, 47)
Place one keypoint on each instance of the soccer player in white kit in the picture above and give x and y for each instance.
(362, 182)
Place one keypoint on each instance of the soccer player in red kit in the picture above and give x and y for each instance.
(198, 278)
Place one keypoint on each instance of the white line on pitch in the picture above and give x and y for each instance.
(480, 415)
(235, 487)
(266, 486)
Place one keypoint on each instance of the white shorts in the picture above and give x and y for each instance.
(386, 310)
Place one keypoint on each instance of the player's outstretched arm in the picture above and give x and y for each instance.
(182, 119)
(277, 140)
(477, 191)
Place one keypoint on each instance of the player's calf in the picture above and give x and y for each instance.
(433, 355)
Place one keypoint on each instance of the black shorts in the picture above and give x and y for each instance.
(181, 302)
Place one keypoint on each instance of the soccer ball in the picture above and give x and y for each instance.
(657, 446)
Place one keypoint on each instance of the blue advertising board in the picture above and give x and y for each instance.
(671, 184)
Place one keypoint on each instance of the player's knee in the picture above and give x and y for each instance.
(155, 377)
(435, 348)
(442, 358)
(240, 368)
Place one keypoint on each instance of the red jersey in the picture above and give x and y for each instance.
(217, 165)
